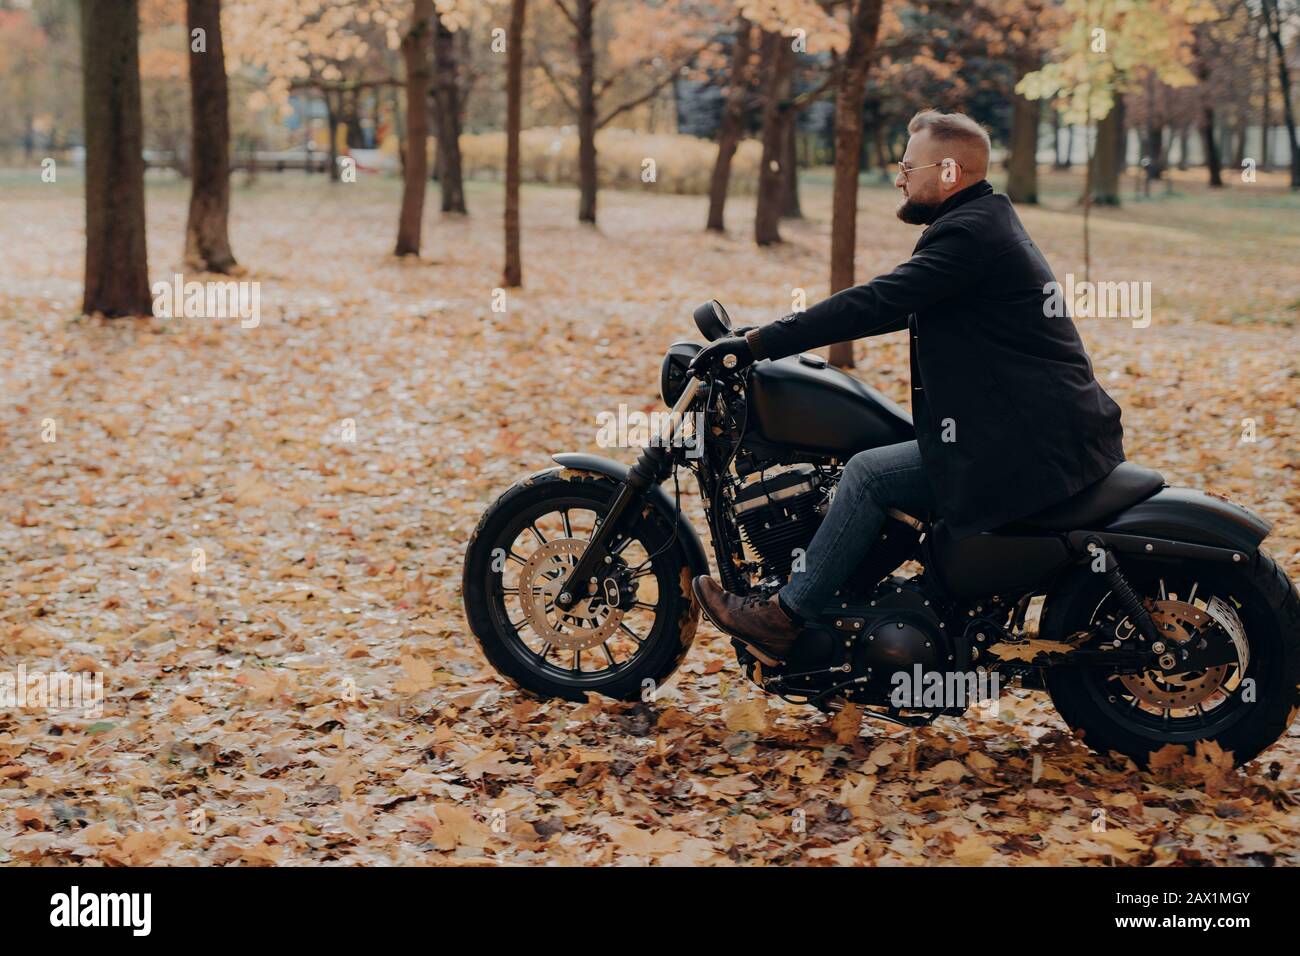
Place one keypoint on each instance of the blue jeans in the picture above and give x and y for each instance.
(874, 481)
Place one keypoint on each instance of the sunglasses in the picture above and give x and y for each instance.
(904, 169)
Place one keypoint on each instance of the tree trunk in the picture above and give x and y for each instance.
(1105, 160)
(850, 91)
(465, 79)
(1211, 149)
(584, 15)
(513, 274)
(446, 96)
(778, 61)
(1273, 21)
(207, 238)
(1068, 160)
(1120, 111)
(1154, 146)
(332, 110)
(399, 128)
(1022, 164)
(1155, 150)
(1264, 162)
(1184, 143)
(352, 134)
(790, 208)
(117, 266)
(878, 143)
(732, 125)
(1212, 163)
(1242, 110)
(415, 57)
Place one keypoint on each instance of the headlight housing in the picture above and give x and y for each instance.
(672, 375)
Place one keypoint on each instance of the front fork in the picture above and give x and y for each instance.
(583, 582)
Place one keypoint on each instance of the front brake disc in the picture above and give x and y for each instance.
(589, 623)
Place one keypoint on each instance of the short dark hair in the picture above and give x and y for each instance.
(950, 127)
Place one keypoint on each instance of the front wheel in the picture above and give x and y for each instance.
(631, 635)
(1244, 704)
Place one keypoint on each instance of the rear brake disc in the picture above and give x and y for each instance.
(1181, 623)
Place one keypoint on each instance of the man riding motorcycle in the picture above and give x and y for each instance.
(1009, 417)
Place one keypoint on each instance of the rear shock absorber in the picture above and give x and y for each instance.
(1128, 599)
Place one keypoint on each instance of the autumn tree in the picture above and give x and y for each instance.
(207, 240)
(1203, 56)
(448, 103)
(1105, 49)
(732, 125)
(117, 268)
(415, 170)
(513, 274)
(850, 92)
(935, 56)
(334, 49)
(788, 27)
(1012, 32)
(1275, 21)
(637, 71)
(32, 88)
(777, 63)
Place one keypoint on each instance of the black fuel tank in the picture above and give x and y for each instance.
(804, 403)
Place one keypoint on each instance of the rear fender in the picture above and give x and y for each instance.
(1182, 523)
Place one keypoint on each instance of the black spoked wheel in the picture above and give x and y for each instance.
(636, 626)
(1247, 619)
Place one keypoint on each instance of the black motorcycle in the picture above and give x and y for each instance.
(1158, 618)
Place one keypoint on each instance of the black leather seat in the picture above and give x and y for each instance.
(1122, 488)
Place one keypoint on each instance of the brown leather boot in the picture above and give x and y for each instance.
(763, 625)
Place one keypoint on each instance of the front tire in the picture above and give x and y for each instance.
(1249, 712)
(522, 546)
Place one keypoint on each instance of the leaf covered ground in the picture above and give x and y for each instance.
(313, 695)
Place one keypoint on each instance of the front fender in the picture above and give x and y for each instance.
(690, 541)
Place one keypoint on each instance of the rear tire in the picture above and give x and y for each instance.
(485, 592)
(1269, 608)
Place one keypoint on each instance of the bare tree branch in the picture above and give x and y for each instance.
(568, 14)
(558, 87)
(654, 91)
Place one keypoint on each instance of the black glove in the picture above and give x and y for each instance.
(732, 353)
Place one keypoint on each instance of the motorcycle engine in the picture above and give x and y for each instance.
(779, 514)
(862, 644)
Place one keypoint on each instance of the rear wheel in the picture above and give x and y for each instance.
(1244, 703)
(636, 628)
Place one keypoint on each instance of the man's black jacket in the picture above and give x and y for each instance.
(1008, 415)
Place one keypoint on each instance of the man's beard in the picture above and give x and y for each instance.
(916, 213)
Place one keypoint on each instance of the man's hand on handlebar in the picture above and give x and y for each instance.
(732, 353)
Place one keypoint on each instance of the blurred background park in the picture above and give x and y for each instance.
(470, 227)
